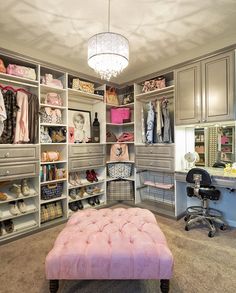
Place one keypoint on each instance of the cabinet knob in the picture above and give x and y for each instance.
(7, 172)
(150, 164)
(7, 155)
(204, 120)
(151, 151)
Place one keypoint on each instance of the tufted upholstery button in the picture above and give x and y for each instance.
(94, 222)
(87, 242)
(111, 222)
(81, 230)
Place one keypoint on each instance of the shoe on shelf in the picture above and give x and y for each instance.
(16, 189)
(22, 206)
(89, 176)
(81, 192)
(91, 201)
(1, 229)
(13, 208)
(96, 200)
(72, 179)
(89, 190)
(9, 226)
(77, 178)
(3, 196)
(79, 204)
(72, 193)
(24, 187)
(94, 175)
(96, 189)
(73, 206)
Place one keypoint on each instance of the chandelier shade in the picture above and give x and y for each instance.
(108, 54)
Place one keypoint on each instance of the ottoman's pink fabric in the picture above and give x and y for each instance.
(110, 244)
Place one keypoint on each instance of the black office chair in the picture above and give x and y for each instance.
(201, 187)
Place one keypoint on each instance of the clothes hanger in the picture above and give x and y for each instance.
(23, 90)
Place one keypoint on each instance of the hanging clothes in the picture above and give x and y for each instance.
(3, 114)
(33, 114)
(143, 131)
(11, 108)
(150, 123)
(22, 129)
(159, 122)
(166, 118)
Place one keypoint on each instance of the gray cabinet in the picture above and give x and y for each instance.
(204, 91)
(19, 153)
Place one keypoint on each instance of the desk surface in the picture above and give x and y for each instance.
(215, 172)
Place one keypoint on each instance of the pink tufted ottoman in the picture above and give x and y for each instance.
(110, 244)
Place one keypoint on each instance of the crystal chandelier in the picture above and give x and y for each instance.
(108, 53)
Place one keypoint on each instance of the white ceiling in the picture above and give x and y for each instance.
(161, 33)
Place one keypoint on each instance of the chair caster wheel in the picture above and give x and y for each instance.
(186, 228)
(223, 227)
(211, 234)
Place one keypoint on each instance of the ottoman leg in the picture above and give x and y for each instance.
(53, 286)
(165, 286)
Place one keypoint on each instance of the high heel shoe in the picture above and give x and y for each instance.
(24, 187)
(93, 173)
(77, 178)
(89, 176)
(72, 179)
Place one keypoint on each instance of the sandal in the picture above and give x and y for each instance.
(24, 187)
(9, 226)
(77, 178)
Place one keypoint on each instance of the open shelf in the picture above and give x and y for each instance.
(87, 98)
(46, 89)
(167, 91)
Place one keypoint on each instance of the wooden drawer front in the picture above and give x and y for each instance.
(18, 153)
(165, 165)
(18, 170)
(86, 163)
(158, 150)
(86, 150)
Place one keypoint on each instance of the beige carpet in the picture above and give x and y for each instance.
(202, 264)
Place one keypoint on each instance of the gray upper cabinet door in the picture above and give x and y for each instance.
(218, 88)
(187, 95)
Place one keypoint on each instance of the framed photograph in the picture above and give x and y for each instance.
(79, 126)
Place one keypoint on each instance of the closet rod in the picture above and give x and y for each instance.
(18, 82)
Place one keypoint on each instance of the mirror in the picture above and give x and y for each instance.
(215, 145)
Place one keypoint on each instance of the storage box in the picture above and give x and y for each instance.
(120, 190)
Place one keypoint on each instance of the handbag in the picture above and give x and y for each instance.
(2, 66)
(120, 190)
(44, 135)
(119, 152)
(119, 170)
(110, 137)
(49, 115)
(53, 99)
(49, 191)
(84, 86)
(50, 81)
(126, 136)
(154, 84)
(120, 115)
(21, 71)
(112, 97)
(51, 211)
(50, 156)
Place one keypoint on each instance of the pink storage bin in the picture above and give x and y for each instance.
(120, 115)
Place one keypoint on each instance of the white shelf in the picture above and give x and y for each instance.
(85, 98)
(53, 106)
(54, 222)
(85, 184)
(131, 178)
(54, 143)
(53, 199)
(85, 196)
(108, 162)
(120, 124)
(53, 124)
(46, 89)
(9, 216)
(87, 206)
(18, 80)
(54, 162)
(130, 105)
(20, 228)
(11, 197)
(53, 181)
(159, 93)
(126, 142)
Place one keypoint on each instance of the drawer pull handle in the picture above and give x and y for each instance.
(7, 172)
(150, 164)
(7, 155)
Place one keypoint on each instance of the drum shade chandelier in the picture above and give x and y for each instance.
(108, 53)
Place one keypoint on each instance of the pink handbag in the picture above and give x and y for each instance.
(50, 156)
(50, 81)
(21, 71)
(126, 136)
(53, 99)
(119, 152)
(120, 115)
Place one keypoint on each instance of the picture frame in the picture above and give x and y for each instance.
(79, 126)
